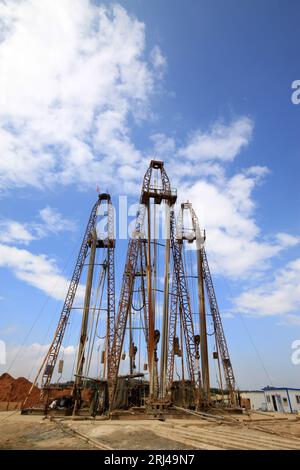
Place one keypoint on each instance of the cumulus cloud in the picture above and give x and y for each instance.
(281, 296)
(204, 154)
(234, 241)
(14, 232)
(54, 222)
(51, 222)
(221, 142)
(225, 205)
(158, 60)
(39, 271)
(287, 240)
(72, 76)
(26, 359)
(163, 146)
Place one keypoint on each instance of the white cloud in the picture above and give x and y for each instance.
(26, 359)
(287, 240)
(158, 60)
(205, 153)
(71, 77)
(226, 211)
(14, 232)
(281, 296)
(52, 221)
(164, 146)
(36, 270)
(290, 319)
(221, 142)
(240, 187)
(225, 205)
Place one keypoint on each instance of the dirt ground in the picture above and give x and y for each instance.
(32, 432)
(257, 431)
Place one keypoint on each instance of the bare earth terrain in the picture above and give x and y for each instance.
(258, 431)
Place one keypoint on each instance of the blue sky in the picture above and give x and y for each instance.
(90, 91)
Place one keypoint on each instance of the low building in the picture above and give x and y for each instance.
(280, 399)
(253, 400)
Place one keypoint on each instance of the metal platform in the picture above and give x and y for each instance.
(159, 194)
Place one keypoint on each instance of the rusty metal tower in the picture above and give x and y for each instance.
(181, 323)
(188, 231)
(90, 243)
(156, 189)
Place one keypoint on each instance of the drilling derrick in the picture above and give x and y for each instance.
(136, 249)
(52, 354)
(106, 242)
(188, 229)
(121, 321)
(157, 193)
(191, 234)
(180, 304)
(140, 248)
(219, 331)
(90, 243)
